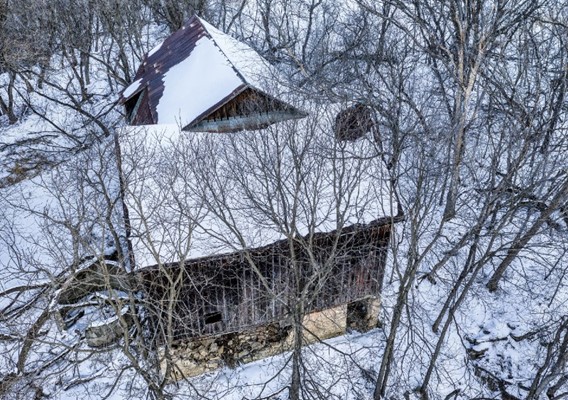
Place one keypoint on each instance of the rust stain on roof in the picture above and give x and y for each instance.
(173, 50)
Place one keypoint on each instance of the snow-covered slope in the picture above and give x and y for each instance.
(59, 198)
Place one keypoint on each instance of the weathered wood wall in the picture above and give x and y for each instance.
(252, 287)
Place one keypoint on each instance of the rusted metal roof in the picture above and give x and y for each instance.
(149, 77)
(143, 96)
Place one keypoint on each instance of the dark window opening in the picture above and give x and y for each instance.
(133, 105)
(213, 317)
(357, 314)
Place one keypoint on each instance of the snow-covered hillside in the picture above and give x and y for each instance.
(471, 142)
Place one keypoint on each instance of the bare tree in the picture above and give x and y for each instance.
(468, 98)
(237, 192)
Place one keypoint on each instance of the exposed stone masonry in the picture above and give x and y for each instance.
(200, 355)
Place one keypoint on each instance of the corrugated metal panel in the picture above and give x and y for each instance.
(173, 50)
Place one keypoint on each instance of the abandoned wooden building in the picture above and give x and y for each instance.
(231, 300)
(237, 307)
(205, 81)
(243, 302)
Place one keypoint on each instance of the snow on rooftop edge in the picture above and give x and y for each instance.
(256, 71)
(132, 88)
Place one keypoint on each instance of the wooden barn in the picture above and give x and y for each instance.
(232, 296)
(204, 80)
(239, 307)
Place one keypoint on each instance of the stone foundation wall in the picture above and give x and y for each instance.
(321, 325)
(200, 355)
(194, 357)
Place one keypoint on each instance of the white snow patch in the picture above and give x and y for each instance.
(132, 88)
(155, 49)
(255, 69)
(196, 84)
(175, 214)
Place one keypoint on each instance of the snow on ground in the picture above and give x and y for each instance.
(505, 334)
(342, 365)
(51, 226)
(51, 221)
(50, 129)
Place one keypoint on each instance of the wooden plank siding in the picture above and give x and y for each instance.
(231, 292)
(249, 110)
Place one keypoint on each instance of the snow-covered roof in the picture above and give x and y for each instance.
(194, 72)
(194, 195)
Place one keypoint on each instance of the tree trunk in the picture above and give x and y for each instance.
(519, 244)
